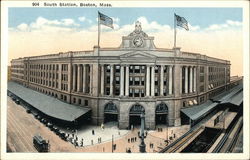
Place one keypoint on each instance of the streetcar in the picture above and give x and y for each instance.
(40, 144)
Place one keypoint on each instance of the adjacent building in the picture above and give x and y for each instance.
(116, 83)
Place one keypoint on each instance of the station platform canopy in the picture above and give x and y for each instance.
(236, 99)
(46, 104)
(198, 111)
(228, 95)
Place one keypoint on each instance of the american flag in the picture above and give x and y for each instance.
(105, 20)
(181, 21)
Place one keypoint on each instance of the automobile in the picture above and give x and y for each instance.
(45, 121)
(17, 101)
(49, 125)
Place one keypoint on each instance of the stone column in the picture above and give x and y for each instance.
(194, 79)
(91, 79)
(186, 79)
(191, 80)
(84, 77)
(111, 80)
(60, 76)
(69, 77)
(170, 80)
(153, 81)
(74, 77)
(78, 77)
(102, 79)
(148, 81)
(161, 83)
(127, 81)
(121, 80)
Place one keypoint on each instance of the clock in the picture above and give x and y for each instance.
(137, 41)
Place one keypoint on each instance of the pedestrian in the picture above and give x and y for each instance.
(93, 132)
(132, 127)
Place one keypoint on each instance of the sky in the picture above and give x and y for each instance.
(215, 32)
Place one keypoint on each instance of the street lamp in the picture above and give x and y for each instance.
(141, 135)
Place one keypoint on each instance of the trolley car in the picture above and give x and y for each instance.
(40, 144)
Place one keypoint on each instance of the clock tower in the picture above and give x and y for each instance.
(137, 39)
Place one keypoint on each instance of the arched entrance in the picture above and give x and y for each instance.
(161, 114)
(134, 115)
(110, 113)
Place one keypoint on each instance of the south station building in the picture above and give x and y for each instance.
(117, 83)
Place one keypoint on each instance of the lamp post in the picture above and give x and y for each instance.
(141, 135)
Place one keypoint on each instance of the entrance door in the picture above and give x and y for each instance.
(161, 114)
(110, 113)
(135, 115)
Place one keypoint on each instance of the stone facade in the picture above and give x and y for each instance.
(123, 79)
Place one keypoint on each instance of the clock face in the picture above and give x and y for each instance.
(137, 41)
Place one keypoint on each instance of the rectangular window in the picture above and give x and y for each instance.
(137, 81)
(142, 93)
(117, 91)
(130, 80)
(142, 80)
(108, 68)
(130, 92)
(117, 80)
(137, 91)
(108, 79)
(137, 69)
(142, 69)
(117, 68)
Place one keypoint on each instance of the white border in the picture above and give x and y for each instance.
(4, 62)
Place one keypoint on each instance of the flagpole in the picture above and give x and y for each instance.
(174, 31)
(99, 30)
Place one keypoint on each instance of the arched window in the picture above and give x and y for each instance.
(136, 109)
(161, 108)
(110, 108)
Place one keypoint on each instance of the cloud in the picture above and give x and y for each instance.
(84, 19)
(53, 36)
(228, 25)
(22, 27)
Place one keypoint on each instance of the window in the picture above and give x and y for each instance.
(142, 93)
(86, 102)
(108, 79)
(142, 69)
(117, 80)
(137, 81)
(79, 101)
(142, 80)
(156, 69)
(117, 68)
(137, 69)
(156, 80)
(130, 92)
(74, 100)
(108, 68)
(117, 91)
(130, 80)
(137, 93)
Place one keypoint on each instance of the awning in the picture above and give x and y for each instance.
(199, 110)
(46, 104)
(228, 94)
(236, 99)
